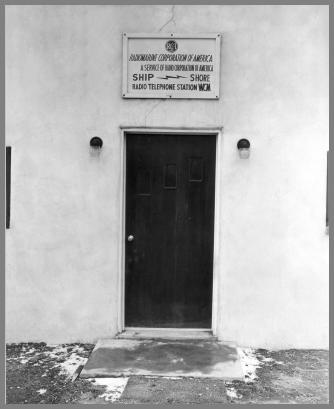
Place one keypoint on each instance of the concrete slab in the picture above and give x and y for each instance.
(160, 390)
(185, 358)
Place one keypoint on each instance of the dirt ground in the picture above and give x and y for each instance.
(40, 373)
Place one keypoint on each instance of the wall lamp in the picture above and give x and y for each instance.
(96, 142)
(243, 146)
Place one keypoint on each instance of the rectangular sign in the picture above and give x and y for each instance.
(171, 66)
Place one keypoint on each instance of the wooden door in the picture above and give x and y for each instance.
(170, 191)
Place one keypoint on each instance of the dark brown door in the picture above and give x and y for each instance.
(170, 190)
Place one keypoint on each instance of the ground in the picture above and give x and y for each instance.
(40, 373)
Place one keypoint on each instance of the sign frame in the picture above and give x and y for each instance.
(167, 95)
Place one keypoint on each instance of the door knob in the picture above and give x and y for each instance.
(130, 238)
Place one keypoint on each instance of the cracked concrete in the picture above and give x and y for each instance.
(171, 19)
(155, 105)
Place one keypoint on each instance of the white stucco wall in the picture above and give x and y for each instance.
(63, 86)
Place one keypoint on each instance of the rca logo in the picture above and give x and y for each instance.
(171, 46)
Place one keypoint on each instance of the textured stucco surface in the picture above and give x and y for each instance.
(63, 86)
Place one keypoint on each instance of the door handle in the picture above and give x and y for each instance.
(130, 237)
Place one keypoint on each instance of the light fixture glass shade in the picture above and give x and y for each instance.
(244, 153)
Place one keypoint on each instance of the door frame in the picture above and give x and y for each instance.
(126, 130)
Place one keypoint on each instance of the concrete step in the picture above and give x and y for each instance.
(166, 333)
(200, 358)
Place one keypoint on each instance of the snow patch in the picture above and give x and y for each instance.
(70, 361)
(57, 351)
(267, 359)
(114, 387)
(71, 364)
(249, 363)
(231, 392)
(172, 377)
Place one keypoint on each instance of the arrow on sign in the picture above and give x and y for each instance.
(170, 76)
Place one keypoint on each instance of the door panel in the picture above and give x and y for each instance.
(170, 212)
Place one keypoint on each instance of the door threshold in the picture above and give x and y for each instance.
(166, 333)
